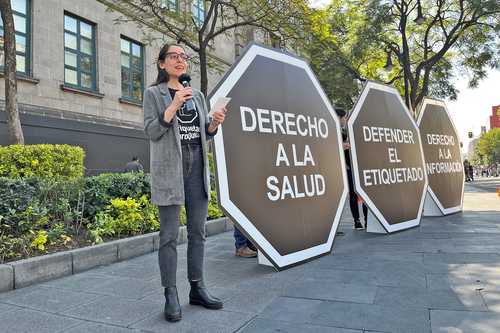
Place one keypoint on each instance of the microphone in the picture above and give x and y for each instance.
(185, 80)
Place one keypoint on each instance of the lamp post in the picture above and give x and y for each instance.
(420, 17)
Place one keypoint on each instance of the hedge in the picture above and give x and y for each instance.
(99, 190)
(41, 161)
(40, 215)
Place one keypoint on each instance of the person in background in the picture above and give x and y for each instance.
(134, 165)
(244, 248)
(466, 170)
(471, 172)
(353, 197)
(178, 132)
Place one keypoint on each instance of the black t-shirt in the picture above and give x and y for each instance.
(189, 123)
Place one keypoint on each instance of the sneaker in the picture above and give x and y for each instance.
(245, 252)
(358, 225)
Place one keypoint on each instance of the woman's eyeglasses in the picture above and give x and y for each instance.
(176, 56)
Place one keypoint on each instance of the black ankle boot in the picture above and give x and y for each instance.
(172, 306)
(199, 295)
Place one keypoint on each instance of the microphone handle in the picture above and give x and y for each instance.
(190, 103)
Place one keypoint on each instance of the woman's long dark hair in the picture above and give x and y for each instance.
(162, 74)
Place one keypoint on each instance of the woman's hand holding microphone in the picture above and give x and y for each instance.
(181, 96)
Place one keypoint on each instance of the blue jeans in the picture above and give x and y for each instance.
(239, 239)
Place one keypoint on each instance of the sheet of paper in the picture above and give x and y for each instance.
(220, 103)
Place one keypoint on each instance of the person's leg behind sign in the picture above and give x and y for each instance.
(241, 244)
(365, 212)
(353, 202)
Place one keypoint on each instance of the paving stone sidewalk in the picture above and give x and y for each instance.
(441, 277)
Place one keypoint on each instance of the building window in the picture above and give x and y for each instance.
(171, 5)
(21, 13)
(132, 70)
(79, 53)
(198, 11)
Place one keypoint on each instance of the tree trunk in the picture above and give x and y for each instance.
(203, 70)
(11, 108)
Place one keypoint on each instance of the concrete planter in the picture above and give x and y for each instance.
(93, 256)
(41, 269)
(22, 273)
(6, 278)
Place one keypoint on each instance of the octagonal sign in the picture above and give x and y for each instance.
(279, 158)
(387, 159)
(443, 160)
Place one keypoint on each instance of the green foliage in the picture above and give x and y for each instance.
(40, 240)
(282, 18)
(351, 40)
(14, 247)
(20, 209)
(182, 216)
(62, 199)
(22, 219)
(488, 148)
(125, 217)
(214, 211)
(99, 190)
(211, 163)
(42, 215)
(16, 195)
(340, 51)
(42, 161)
(211, 167)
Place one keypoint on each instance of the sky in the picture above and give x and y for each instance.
(472, 108)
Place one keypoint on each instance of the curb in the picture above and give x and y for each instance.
(26, 272)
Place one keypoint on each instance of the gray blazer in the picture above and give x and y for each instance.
(167, 183)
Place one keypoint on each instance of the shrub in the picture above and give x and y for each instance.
(14, 247)
(33, 215)
(15, 195)
(125, 217)
(62, 199)
(99, 190)
(40, 240)
(40, 215)
(214, 211)
(211, 167)
(18, 204)
(43, 161)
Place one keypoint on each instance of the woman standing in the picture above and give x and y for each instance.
(178, 134)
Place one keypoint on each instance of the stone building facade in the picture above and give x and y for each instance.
(81, 77)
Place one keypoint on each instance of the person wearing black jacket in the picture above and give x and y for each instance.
(134, 165)
(353, 197)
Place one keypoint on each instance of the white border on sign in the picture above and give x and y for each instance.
(451, 210)
(354, 160)
(225, 201)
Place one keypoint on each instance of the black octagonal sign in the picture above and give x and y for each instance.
(279, 159)
(387, 158)
(443, 160)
